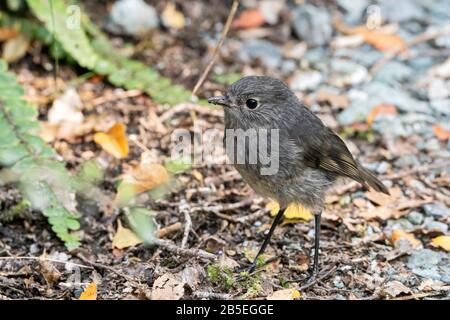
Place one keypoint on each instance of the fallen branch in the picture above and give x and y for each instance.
(211, 295)
(163, 232)
(184, 207)
(205, 73)
(170, 246)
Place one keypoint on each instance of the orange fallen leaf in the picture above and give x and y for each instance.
(442, 242)
(441, 133)
(90, 293)
(124, 238)
(249, 19)
(114, 141)
(384, 41)
(143, 177)
(381, 109)
(398, 235)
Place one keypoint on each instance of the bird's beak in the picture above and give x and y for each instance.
(220, 100)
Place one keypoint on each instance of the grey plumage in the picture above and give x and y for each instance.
(311, 156)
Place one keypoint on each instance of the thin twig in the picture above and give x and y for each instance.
(102, 266)
(211, 295)
(46, 259)
(219, 45)
(184, 207)
(170, 246)
(163, 232)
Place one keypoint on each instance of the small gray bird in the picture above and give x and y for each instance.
(310, 155)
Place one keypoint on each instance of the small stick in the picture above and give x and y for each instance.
(219, 45)
(46, 259)
(161, 233)
(421, 169)
(184, 207)
(170, 246)
(211, 295)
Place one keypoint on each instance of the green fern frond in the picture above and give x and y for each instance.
(29, 162)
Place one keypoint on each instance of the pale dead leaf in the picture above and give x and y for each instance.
(14, 49)
(67, 108)
(395, 288)
(248, 19)
(167, 287)
(285, 294)
(172, 18)
(124, 238)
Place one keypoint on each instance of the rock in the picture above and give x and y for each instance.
(441, 106)
(394, 72)
(270, 9)
(432, 226)
(432, 145)
(288, 66)
(400, 224)
(383, 167)
(312, 24)
(354, 8)
(365, 56)
(132, 17)
(401, 10)
(383, 93)
(415, 218)
(269, 54)
(306, 81)
(430, 264)
(437, 209)
(438, 89)
(347, 72)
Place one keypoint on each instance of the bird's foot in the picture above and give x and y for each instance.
(314, 278)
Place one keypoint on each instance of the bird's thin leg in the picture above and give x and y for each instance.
(315, 269)
(275, 222)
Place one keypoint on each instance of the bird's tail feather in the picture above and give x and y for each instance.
(372, 181)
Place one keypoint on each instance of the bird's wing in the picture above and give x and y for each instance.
(327, 151)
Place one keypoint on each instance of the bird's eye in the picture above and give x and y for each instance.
(251, 103)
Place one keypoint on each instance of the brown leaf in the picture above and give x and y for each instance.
(50, 273)
(7, 33)
(395, 288)
(249, 19)
(335, 100)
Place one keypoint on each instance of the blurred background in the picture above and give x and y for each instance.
(108, 82)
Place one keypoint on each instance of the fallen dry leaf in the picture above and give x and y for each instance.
(400, 235)
(143, 177)
(124, 238)
(285, 294)
(16, 48)
(8, 33)
(384, 41)
(441, 242)
(50, 273)
(395, 288)
(333, 99)
(114, 141)
(293, 211)
(173, 18)
(167, 287)
(383, 109)
(90, 293)
(441, 133)
(249, 19)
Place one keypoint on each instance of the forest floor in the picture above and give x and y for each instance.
(372, 246)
